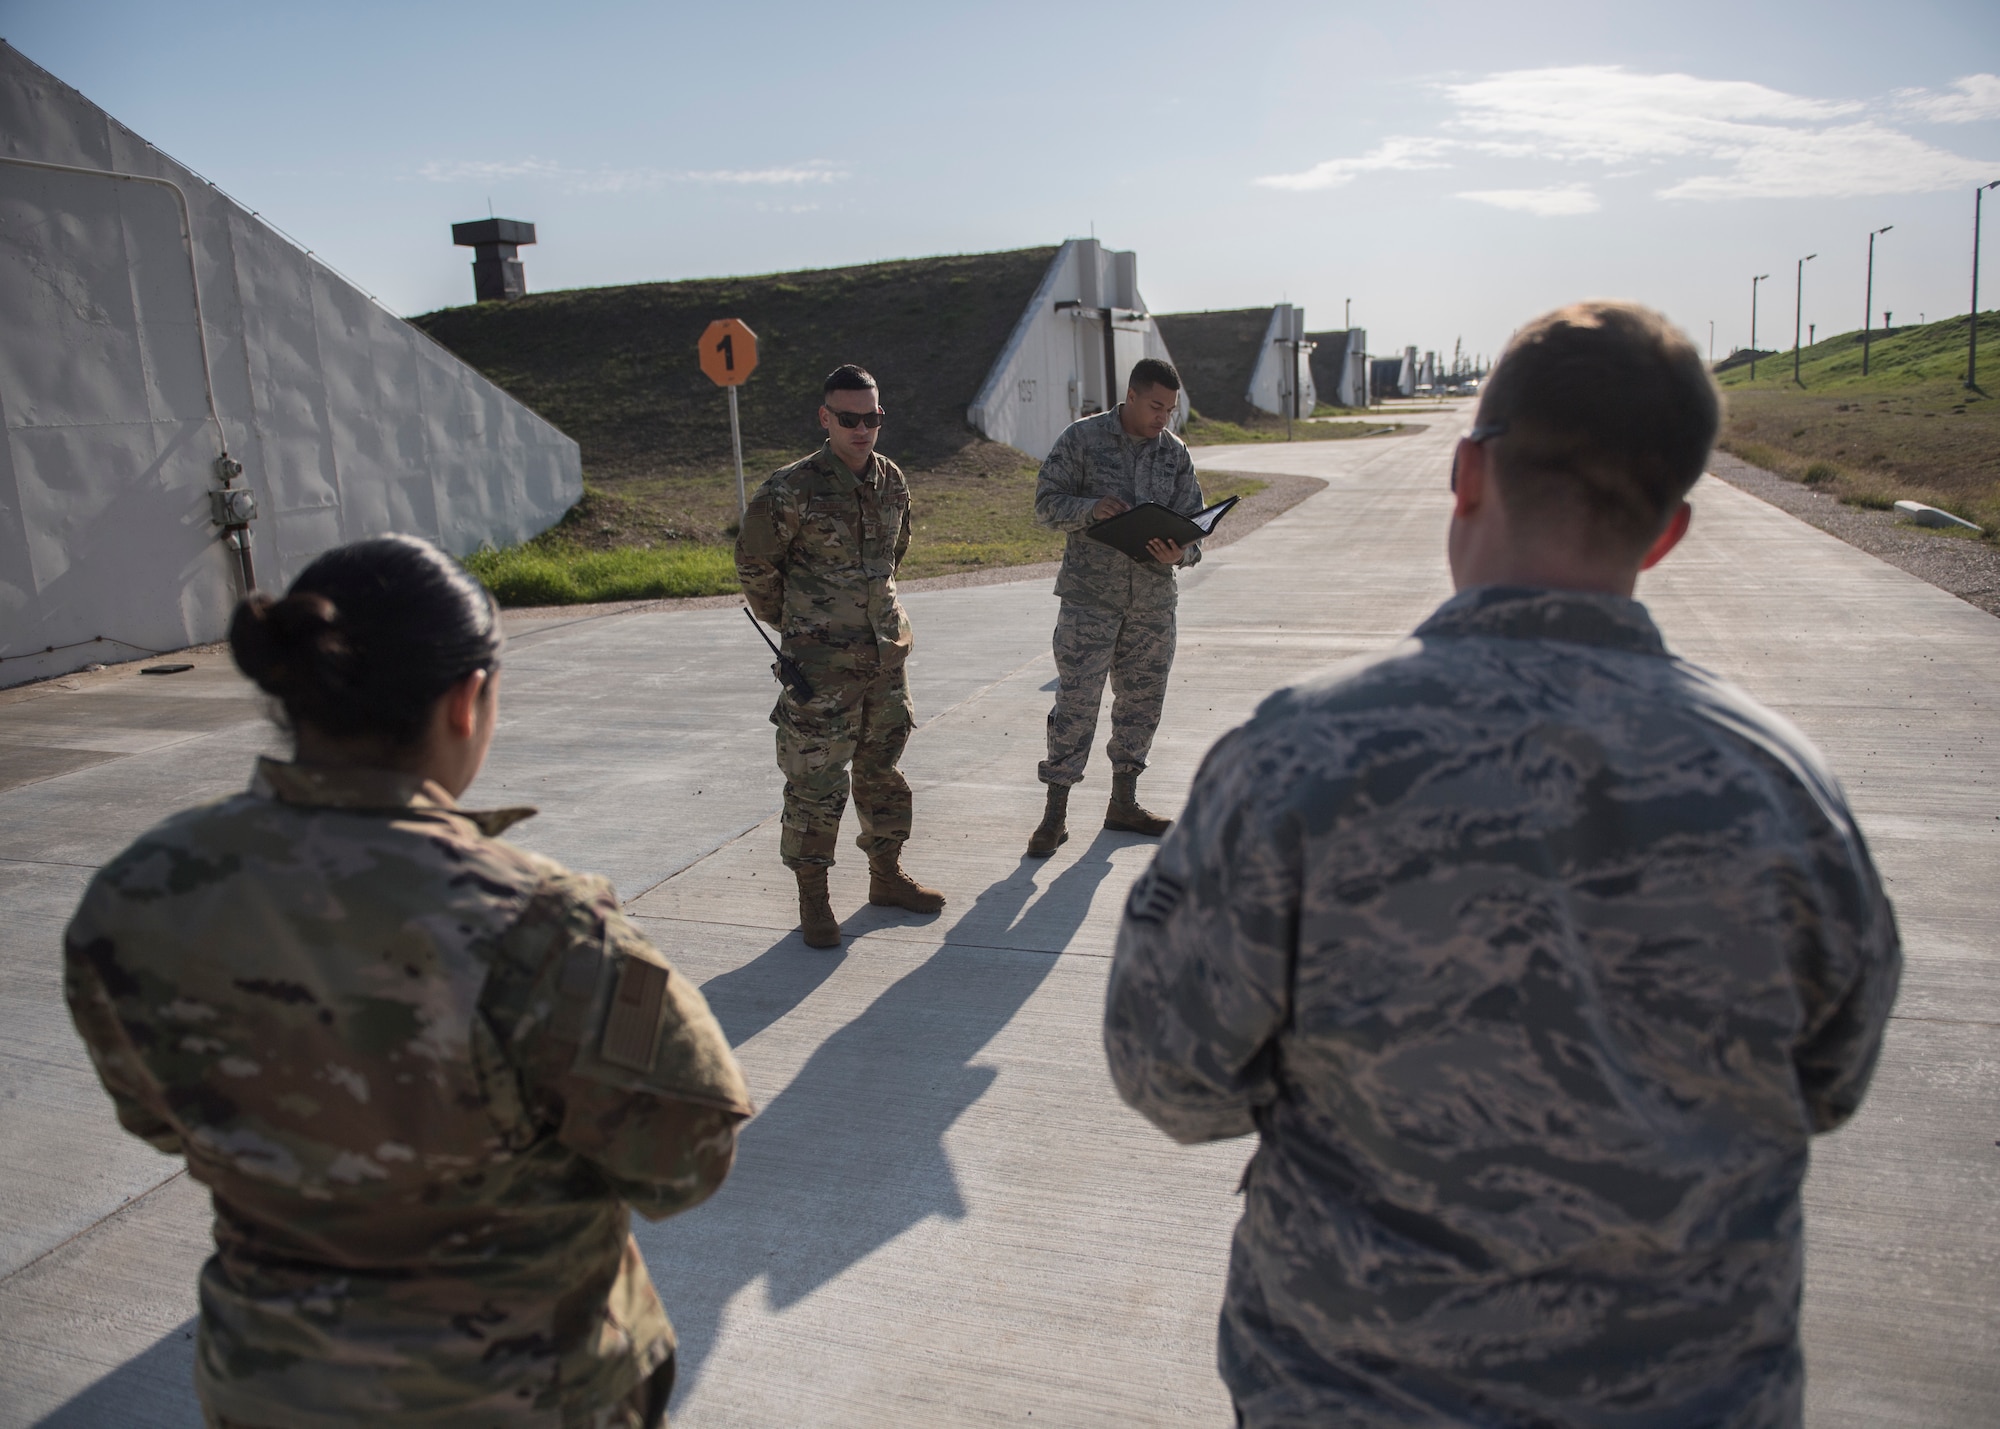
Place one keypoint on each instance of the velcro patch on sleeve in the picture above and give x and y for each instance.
(632, 1030)
(1154, 897)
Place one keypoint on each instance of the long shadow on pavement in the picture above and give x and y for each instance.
(844, 1160)
(851, 1154)
(152, 1390)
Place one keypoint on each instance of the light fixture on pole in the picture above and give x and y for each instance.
(1798, 311)
(1760, 278)
(1868, 302)
(1972, 338)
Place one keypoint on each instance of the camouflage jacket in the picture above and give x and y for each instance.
(1534, 956)
(818, 554)
(1092, 459)
(423, 1074)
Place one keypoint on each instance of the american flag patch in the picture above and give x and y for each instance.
(1154, 897)
(632, 1030)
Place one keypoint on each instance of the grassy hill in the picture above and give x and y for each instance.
(1215, 353)
(615, 367)
(1909, 429)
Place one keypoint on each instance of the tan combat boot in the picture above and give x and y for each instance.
(1054, 829)
(817, 925)
(1126, 815)
(890, 887)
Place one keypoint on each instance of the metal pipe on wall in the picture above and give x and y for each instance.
(236, 534)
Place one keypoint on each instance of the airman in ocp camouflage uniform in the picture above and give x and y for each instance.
(423, 1073)
(1533, 956)
(817, 557)
(1118, 614)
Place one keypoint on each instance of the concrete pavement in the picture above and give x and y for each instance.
(942, 1214)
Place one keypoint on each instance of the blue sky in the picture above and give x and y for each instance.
(1453, 168)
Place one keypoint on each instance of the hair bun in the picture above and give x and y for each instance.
(275, 642)
(368, 637)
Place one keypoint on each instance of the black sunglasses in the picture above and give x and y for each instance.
(851, 420)
(1477, 435)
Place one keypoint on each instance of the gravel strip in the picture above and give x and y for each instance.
(1280, 494)
(1963, 565)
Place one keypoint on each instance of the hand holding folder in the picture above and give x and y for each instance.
(1129, 531)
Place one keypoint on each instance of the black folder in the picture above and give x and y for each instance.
(1129, 531)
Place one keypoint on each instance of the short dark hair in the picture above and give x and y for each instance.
(1604, 414)
(367, 639)
(1153, 372)
(849, 378)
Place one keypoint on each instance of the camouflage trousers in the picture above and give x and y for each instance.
(644, 1408)
(1135, 648)
(859, 715)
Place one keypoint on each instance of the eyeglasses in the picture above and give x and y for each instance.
(1477, 435)
(851, 420)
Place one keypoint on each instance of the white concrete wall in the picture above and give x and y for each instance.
(1282, 365)
(1354, 389)
(349, 422)
(1051, 370)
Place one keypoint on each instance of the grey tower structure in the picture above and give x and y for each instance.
(496, 264)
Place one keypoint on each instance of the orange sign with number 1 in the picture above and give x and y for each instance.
(728, 352)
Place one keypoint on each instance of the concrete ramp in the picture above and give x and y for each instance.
(148, 324)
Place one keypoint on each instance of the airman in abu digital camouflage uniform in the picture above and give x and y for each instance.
(1117, 616)
(423, 1073)
(1533, 955)
(817, 557)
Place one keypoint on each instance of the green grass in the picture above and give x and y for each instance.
(558, 574)
(1909, 430)
(964, 522)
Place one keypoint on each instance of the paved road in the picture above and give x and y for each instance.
(942, 1214)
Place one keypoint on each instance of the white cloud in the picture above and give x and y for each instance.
(1401, 152)
(817, 172)
(478, 171)
(609, 180)
(1564, 201)
(1843, 161)
(1608, 114)
(1703, 139)
(1974, 97)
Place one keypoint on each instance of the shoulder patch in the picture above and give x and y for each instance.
(1154, 897)
(632, 1030)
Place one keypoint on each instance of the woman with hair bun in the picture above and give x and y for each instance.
(425, 1074)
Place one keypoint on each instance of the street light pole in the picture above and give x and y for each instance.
(1972, 338)
(1760, 278)
(1798, 311)
(1868, 302)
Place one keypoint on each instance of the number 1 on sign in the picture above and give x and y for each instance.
(727, 354)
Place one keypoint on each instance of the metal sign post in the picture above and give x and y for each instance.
(728, 355)
(736, 445)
